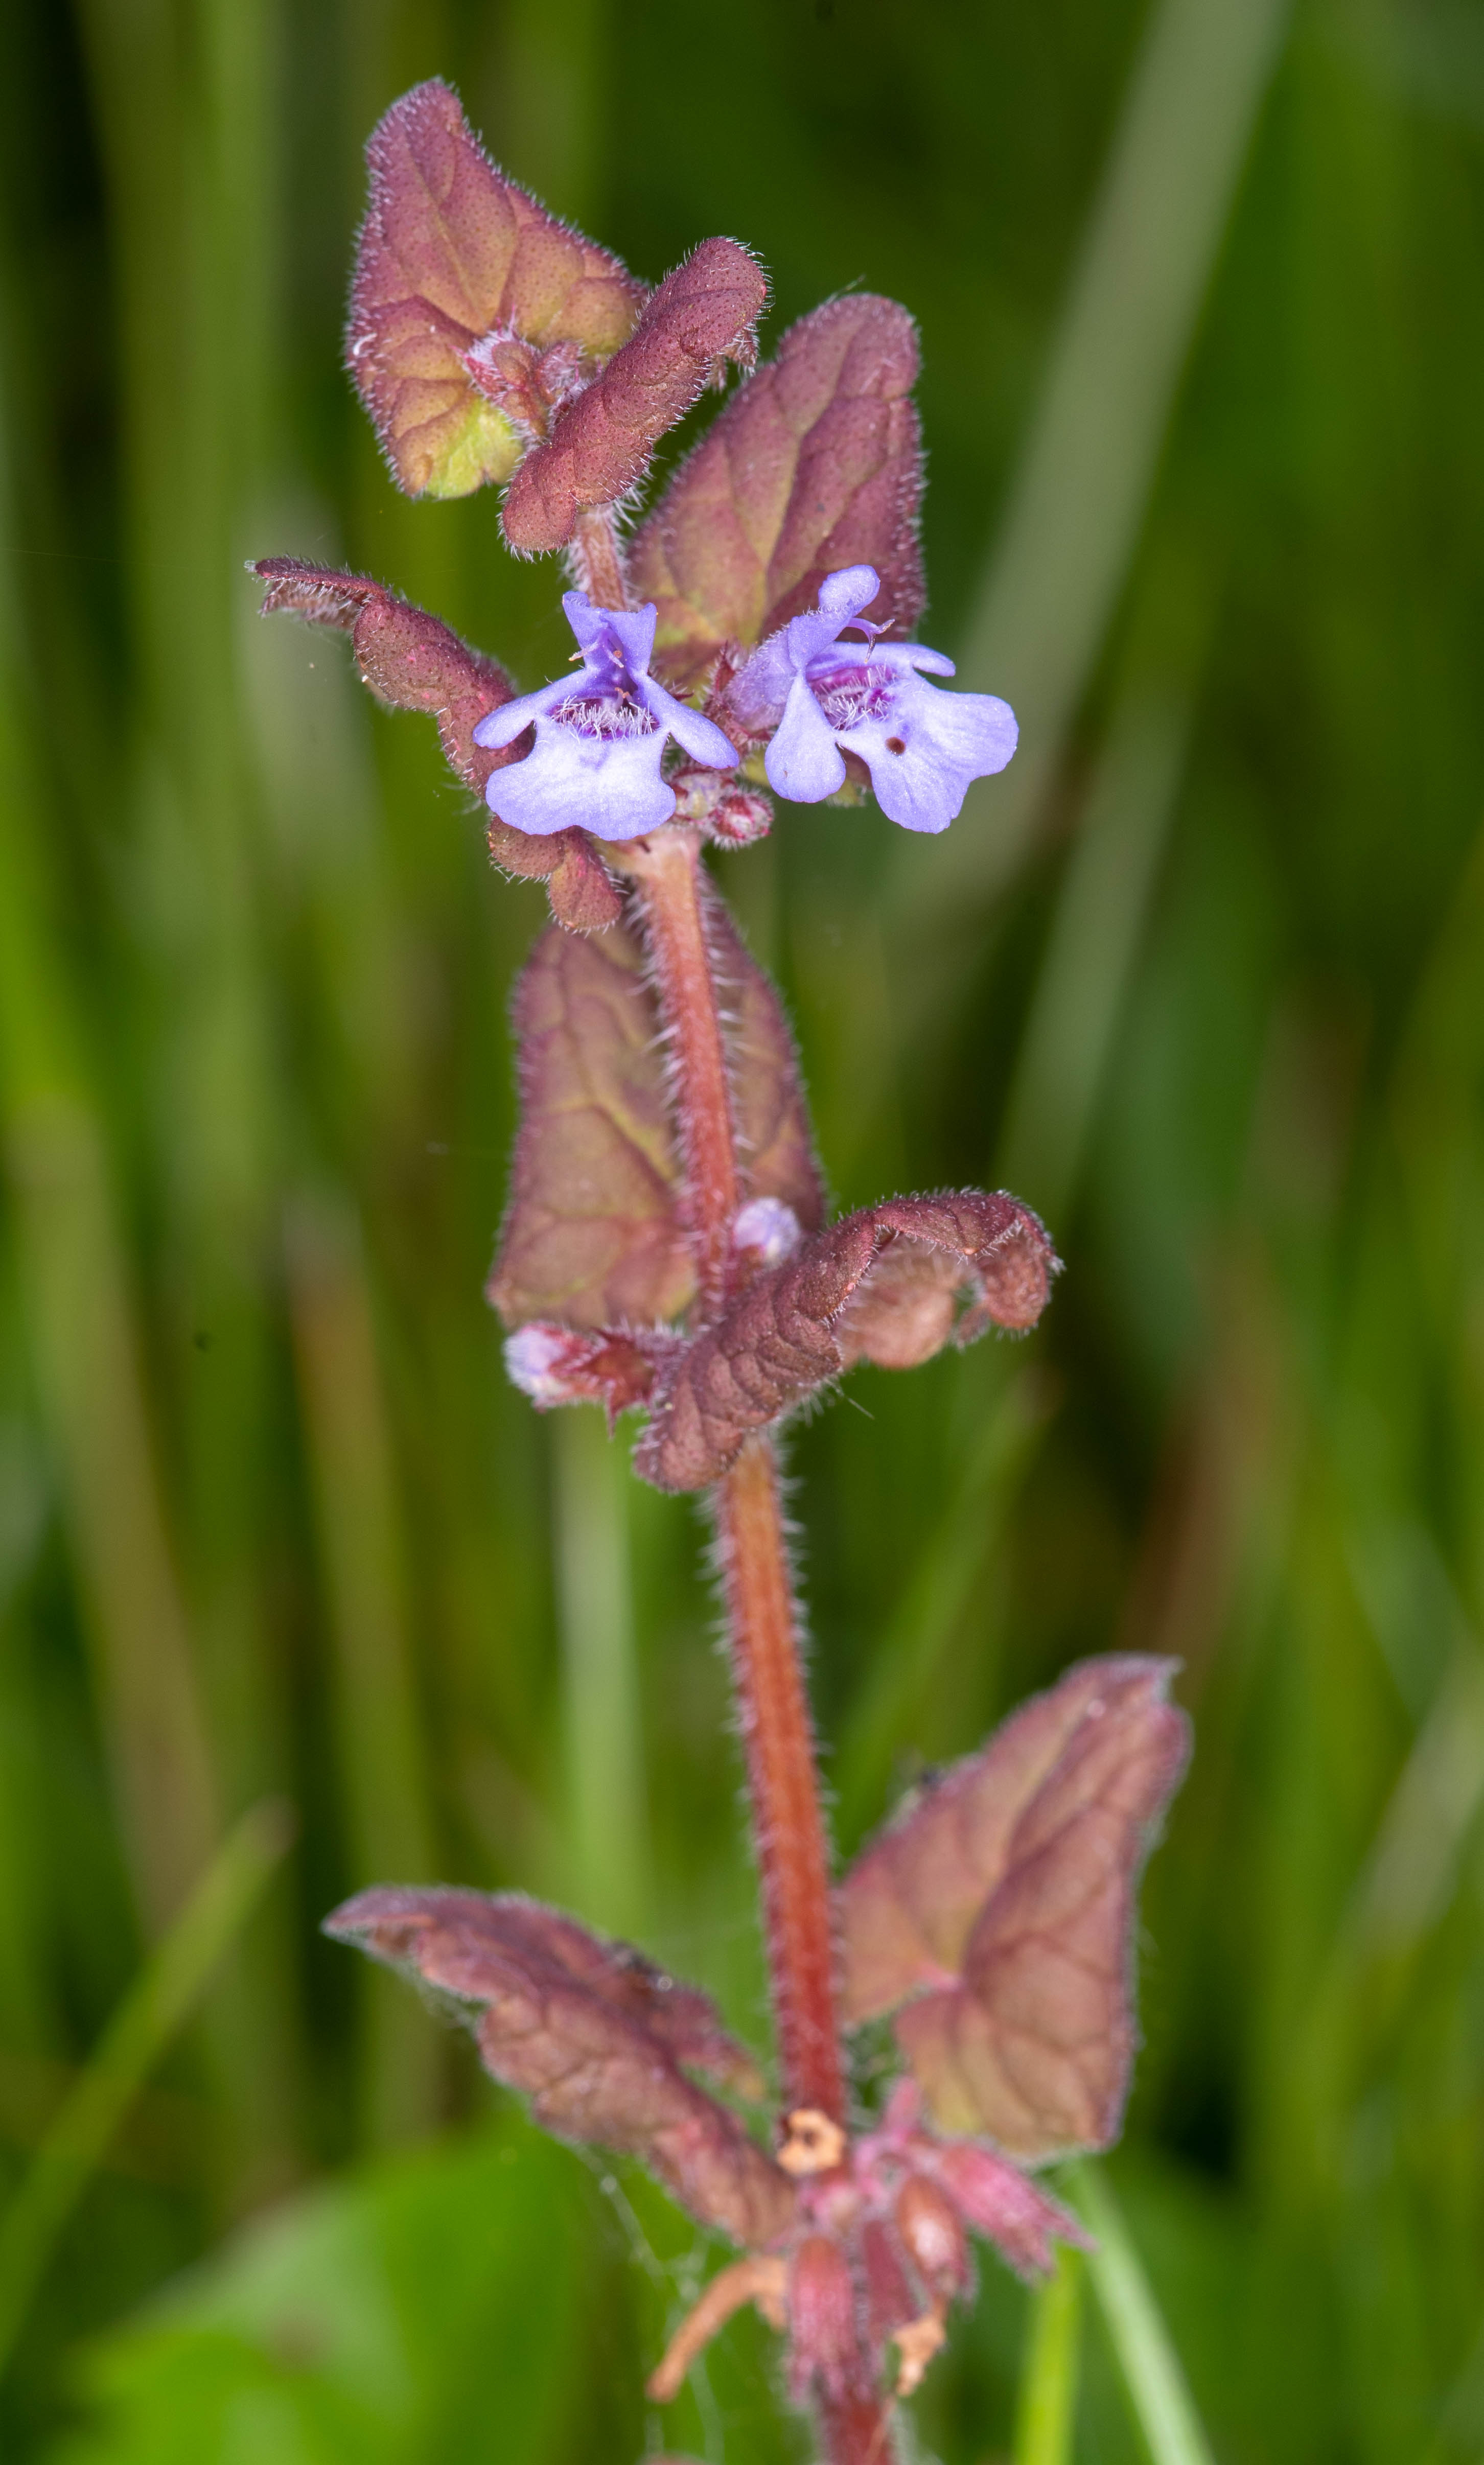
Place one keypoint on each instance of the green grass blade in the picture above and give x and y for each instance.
(82, 1323)
(550, 100)
(1162, 2402)
(377, 1716)
(607, 1826)
(1046, 2417)
(894, 1702)
(138, 2034)
(1090, 958)
(1077, 503)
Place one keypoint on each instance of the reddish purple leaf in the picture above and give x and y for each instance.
(813, 466)
(408, 660)
(412, 661)
(453, 255)
(593, 2033)
(601, 440)
(775, 1142)
(594, 1235)
(995, 1915)
(797, 1327)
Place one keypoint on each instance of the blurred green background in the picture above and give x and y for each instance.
(1201, 289)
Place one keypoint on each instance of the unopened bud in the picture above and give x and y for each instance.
(998, 2200)
(567, 1365)
(739, 818)
(765, 1231)
(891, 2299)
(930, 2228)
(823, 2338)
(728, 813)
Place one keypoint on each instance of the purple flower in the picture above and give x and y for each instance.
(600, 736)
(920, 746)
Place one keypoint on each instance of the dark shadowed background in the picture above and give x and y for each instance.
(1201, 304)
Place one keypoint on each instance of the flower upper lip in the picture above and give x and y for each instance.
(600, 735)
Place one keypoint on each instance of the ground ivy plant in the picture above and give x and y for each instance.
(666, 1252)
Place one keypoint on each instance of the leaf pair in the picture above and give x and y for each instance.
(490, 342)
(993, 1917)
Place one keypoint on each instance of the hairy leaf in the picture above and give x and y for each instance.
(995, 1915)
(453, 254)
(593, 2033)
(412, 661)
(813, 466)
(775, 1142)
(798, 1327)
(601, 440)
(594, 1232)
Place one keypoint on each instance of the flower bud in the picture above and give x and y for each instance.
(569, 1364)
(823, 2338)
(998, 2200)
(890, 2299)
(738, 817)
(764, 1232)
(929, 2226)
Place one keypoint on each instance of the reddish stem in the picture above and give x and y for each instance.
(764, 1623)
(597, 559)
(763, 1614)
(668, 870)
(856, 2430)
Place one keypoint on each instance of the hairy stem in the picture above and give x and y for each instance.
(763, 1614)
(597, 560)
(764, 1623)
(856, 2430)
(667, 869)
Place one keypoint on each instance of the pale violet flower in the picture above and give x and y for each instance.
(600, 736)
(829, 697)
